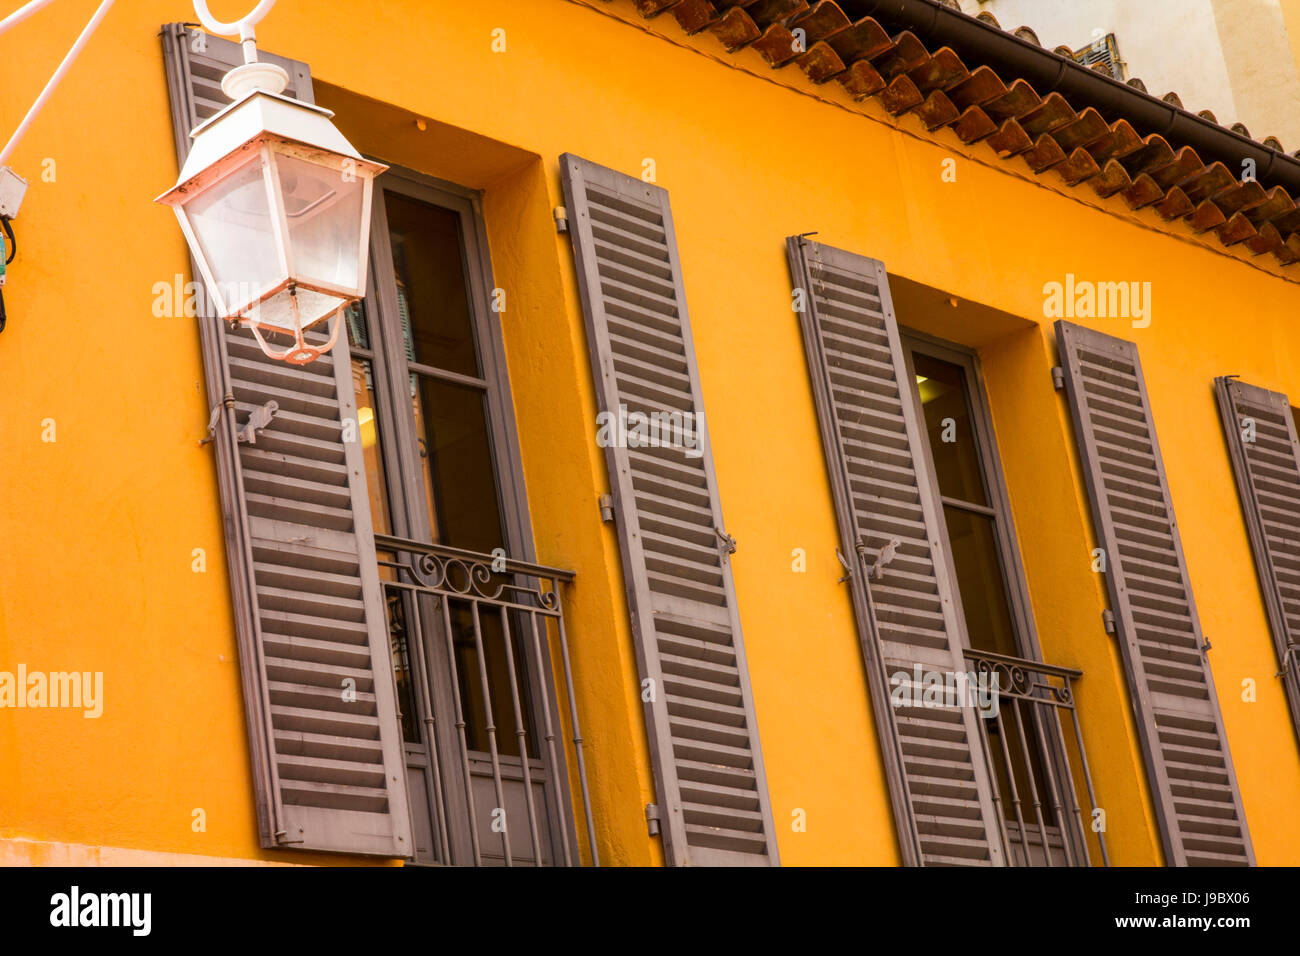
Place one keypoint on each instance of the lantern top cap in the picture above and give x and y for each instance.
(259, 116)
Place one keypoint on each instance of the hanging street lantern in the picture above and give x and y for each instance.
(275, 204)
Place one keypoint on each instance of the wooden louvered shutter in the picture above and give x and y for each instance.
(1177, 713)
(1265, 457)
(300, 550)
(703, 739)
(940, 785)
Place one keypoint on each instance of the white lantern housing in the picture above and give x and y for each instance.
(275, 204)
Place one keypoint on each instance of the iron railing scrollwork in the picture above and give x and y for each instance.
(497, 629)
(1031, 757)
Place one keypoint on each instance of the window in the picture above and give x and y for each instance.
(952, 409)
(1103, 56)
(436, 425)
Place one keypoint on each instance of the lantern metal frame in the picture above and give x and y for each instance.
(259, 129)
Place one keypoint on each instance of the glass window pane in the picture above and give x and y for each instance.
(948, 422)
(398, 635)
(363, 382)
(470, 679)
(978, 567)
(456, 456)
(432, 301)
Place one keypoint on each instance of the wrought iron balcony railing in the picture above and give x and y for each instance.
(1033, 758)
(485, 686)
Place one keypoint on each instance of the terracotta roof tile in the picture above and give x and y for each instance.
(1047, 133)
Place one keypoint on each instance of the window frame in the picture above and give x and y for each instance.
(407, 499)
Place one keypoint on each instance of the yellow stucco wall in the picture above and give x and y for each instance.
(99, 526)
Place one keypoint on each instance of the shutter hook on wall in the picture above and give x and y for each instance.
(727, 541)
(848, 569)
(227, 401)
(1286, 658)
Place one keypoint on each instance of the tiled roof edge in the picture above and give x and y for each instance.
(900, 74)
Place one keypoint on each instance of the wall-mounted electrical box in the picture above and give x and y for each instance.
(12, 189)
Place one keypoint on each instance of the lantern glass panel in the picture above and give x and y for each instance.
(231, 221)
(323, 207)
(277, 311)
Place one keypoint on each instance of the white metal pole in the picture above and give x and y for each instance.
(22, 13)
(56, 78)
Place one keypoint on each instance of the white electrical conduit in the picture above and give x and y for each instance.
(22, 14)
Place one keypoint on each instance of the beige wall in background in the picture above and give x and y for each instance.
(1237, 58)
(1260, 53)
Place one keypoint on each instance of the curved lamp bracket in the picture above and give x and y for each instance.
(243, 27)
(242, 80)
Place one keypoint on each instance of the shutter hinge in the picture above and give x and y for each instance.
(727, 541)
(561, 219)
(652, 818)
(607, 508)
(211, 435)
(883, 560)
(1058, 378)
(1108, 620)
(848, 569)
(257, 422)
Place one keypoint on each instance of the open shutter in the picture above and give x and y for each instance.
(1265, 457)
(703, 738)
(300, 550)
(1177, 713)
(940, 786)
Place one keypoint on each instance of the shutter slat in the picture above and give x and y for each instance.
(1267, 472)
(1180, 726)
(310, 622)
(940, 784)
(704, 740)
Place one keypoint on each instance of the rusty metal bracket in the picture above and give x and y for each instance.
(726, 540)
(1286, 658)
(211, 435)
(257, 422)
(848, 568)
(884, 558)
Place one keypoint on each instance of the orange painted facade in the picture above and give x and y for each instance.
(100, 525)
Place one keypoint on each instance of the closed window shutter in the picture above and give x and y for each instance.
(1190, 769)
(311, 629)
(940, 786)
(703, 738)
(1265, 457)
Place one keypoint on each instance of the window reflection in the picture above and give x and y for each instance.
(433, 299)
(942, 386)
